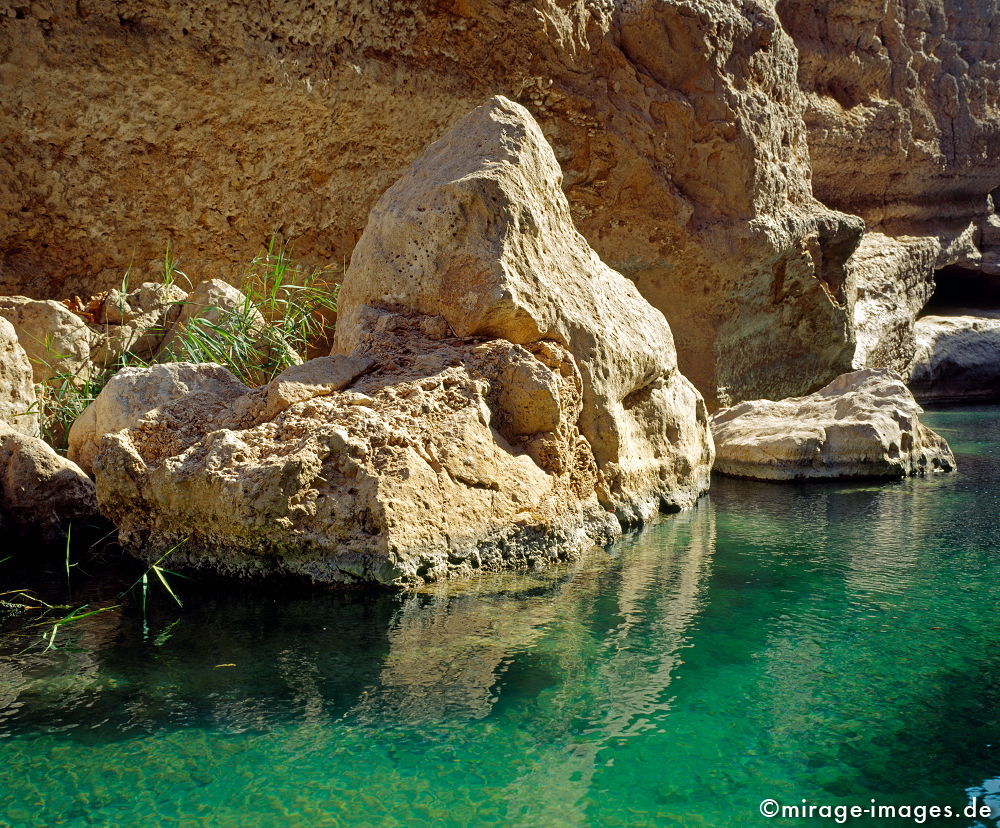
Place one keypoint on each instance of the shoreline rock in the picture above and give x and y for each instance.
(957, 357)
(497, 398)
(863, 424)
(42, 493)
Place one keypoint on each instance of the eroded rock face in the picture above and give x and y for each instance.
(41, 493)
(18, 404)
(863, 424)
(901, 109)
(902, 99)
(678, 124)
(497, 397)
(957, 357)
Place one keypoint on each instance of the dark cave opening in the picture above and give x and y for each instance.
(961, 289)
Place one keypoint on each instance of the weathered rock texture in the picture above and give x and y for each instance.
(41, 493)
(678, 126)
(863, 424)
(497, 395)
(18, 404)
(957, 357)
(689, 151)
(903, 120)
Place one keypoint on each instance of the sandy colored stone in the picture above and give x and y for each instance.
(56, 340)
(957, 357)
(135, 323)
(678, 125)
(409, 475)
(134, 392)
(478, 232)
(494, 402)
(42, 494)
(863, 424)
(18, 404)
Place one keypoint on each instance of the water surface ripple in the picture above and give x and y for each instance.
(835, 642)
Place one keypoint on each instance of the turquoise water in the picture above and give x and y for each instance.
(834, 642)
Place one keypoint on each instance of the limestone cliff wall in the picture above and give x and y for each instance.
(687, 145)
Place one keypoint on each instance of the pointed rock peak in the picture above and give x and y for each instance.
(479, 232)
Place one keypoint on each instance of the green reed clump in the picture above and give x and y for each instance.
(285, 312)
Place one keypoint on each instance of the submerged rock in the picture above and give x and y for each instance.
(863, 424)
(18, 404)
(957, 358)
(497, 397)
(41, 493)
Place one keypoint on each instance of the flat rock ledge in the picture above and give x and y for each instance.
(863, 424)
(497, 397)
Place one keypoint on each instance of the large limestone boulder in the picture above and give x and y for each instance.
(863, 424)
(18, 405)
(56, 340)
(499, 400)
(957, 357)
(134, 392)
(416, 470)
(42, 494)
(478, 231)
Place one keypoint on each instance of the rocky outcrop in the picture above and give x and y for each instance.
(496, 396)
(903, 121)
(42, 494)
(902, 102)
(692, 135)
(863, 424)
(957, 357)
(677, 124)
(18, 404)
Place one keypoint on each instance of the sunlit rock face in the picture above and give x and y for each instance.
(722, 154)
(677, 125)
(863, 424)
(903, 122)
(497, 397)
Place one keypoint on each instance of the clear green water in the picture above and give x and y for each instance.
(830, 642)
